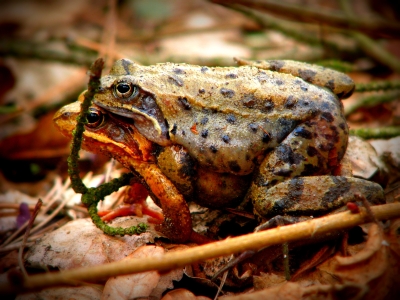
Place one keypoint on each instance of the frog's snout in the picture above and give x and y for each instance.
(65, 118)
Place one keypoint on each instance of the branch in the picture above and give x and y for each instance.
(377, 133)
(335, 18)
(172, 260)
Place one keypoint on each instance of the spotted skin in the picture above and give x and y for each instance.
(266, 132)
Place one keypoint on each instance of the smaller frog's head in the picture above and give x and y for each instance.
(104, 133)
(121, 93)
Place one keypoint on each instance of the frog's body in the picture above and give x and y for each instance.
(223, 134)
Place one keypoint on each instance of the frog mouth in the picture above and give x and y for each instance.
(149, 126)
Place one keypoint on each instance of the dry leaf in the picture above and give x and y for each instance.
(364, 159)
(183, 294)
(135, 285)
(80, 243)
(82, 293)
(286, 291)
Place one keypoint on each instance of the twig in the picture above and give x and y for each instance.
(26, 49)
(377, 26)
(295, 30)
(378, 86)
(371, 101)
(286, 266)
(376, 51)
(377, 133)
(171, 260)
(109, 35)
(26, 235)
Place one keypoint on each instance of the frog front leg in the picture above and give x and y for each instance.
(177, 223)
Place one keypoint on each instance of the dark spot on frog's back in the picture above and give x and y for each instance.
(253, 127)
(283, 172)
(330, 85)
(302, 84)
(204, 121)
(187, 165)
(204, 69)
(295, 191)
(248, 100)
(307, 75)
(312, 151)
(227, 93)
(286, 154)
(302, 132)
(233, 165)
(231, 119)
(339, 188)
(172, 79)
(268, 106)
(285, 126)
(327, 116)
(266, 137)
(178, 71)
(310, 169)
(204, 133)
(276, 65)
(184, 102)
(213, 149)
(174, 128)
(290, 102)
(125, 64)
(231, 76)
(226, 138)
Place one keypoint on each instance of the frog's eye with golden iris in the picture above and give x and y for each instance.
(125, 90)
(94, 118)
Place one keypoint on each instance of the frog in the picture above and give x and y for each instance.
(271, 134)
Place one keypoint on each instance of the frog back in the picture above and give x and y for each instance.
(227, 118)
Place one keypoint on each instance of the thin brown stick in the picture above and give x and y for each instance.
(177, 259)
(26, 235)
(318, 15)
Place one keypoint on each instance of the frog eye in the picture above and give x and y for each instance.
(125, 90)
(94, 118)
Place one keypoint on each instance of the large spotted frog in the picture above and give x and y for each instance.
(270, 133)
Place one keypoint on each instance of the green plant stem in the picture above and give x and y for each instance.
(374, 86)
(371, 101)
(93, 86)
(377, 133)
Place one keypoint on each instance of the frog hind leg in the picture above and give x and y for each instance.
(314, 147)
(316, 195)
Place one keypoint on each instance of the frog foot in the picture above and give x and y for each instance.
(136, 209)
(135, 205)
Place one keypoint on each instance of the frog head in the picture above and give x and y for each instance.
(106, 133)
(123, 93)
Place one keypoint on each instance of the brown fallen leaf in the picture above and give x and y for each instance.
(135, 285)
(91, 292)
(35, 144)
(183, 294)
(80, 243)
